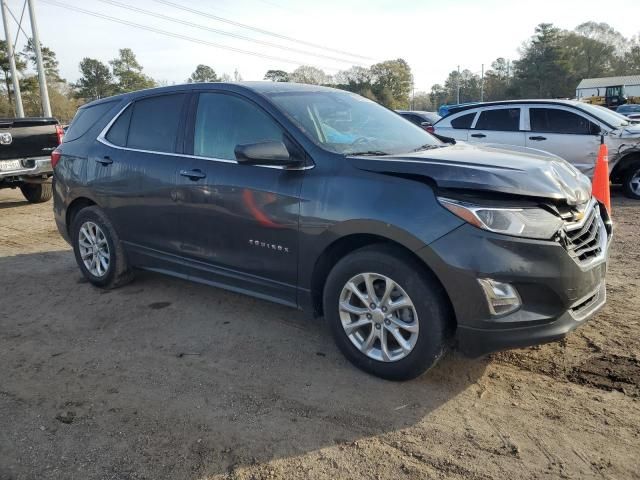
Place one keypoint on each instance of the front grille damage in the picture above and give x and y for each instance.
(582, 239)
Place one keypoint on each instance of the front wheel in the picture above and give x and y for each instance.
(631, 182)
(388, 317)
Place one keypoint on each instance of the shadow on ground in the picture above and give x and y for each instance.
(168, 379)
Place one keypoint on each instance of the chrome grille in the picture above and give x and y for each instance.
(583, 240)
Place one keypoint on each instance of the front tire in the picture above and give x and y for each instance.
(37, 192)
(98, 250)
(388, 317)
(631, 182)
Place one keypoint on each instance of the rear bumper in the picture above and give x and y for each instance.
(31, 167)
(557, 293)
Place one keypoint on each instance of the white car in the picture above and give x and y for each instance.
(569, 129)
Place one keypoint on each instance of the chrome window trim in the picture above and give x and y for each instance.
(103, 139)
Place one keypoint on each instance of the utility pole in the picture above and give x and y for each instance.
(412, 104)
(482, 84)
(458, 86)
(12, 62)
(44, 92)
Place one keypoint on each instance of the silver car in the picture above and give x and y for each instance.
(566, 128)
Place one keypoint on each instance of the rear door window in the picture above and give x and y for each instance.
(224, 121)
(464, 121)
(553, 120)
(86, 118)
(154, 123)
(501, 119)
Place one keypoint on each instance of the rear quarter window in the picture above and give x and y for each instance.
(118, 132)
(85, 118)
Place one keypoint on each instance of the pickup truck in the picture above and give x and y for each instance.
(25, 155)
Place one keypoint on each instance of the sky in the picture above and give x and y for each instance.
(433, 36)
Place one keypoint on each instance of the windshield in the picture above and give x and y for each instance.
(346, 123)
(612, 118)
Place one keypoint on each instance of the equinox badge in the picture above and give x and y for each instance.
(270, 246)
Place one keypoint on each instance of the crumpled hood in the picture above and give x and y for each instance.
(494, 168)
(630, 131)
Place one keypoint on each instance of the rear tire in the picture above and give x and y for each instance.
(37, 192)
(98, 250)
(631, 182)
(423, 326)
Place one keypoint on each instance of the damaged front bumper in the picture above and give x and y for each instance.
(556, 289)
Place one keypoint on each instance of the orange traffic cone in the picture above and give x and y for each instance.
(600, 182)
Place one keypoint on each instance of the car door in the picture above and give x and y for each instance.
(136, 164)
(565, 133)
(240, 222)
(500, 125)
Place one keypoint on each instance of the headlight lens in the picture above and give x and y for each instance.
(521, 222)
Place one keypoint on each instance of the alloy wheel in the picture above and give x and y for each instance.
(379, 317)
(634, 183)
(94, 249)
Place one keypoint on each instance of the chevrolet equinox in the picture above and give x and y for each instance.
(323, 200)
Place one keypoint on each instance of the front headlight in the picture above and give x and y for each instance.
(522, 222)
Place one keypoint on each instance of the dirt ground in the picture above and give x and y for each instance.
(167, 379)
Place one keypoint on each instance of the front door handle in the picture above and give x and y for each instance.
(478, 135)
(106, 160)
(193, 174)
(538, 138)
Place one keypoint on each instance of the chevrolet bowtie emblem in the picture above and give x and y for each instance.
(5, 138)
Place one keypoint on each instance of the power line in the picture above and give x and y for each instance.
(259, 30)
(174, 35)
(222, 32)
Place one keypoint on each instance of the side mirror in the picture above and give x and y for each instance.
(264, 153)
(425, 124)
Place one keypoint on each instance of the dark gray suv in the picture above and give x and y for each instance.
(325, 201)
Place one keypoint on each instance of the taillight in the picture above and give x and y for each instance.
(430, 129)
(55, 157)
(59, 133)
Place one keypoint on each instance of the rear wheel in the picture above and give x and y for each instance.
(37, 192)
(98, 250)
(387, 317)
(631, 182)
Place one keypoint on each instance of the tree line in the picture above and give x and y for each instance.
(551, 64)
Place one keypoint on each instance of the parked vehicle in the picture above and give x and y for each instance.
(569, 129)
(424, 120)
(323, 200)
(612, 97)
(25, 155)
(630, 111)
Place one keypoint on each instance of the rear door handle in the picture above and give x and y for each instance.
(106, 160)
(538, 138)
(478, 135)
(193, 174)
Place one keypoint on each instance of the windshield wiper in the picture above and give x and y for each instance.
(426, 146)
(372, 153)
